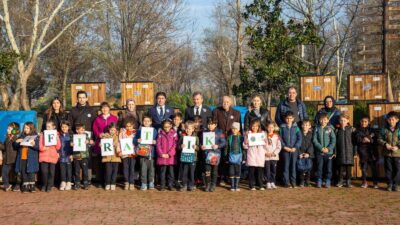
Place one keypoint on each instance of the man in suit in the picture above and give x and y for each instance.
(226, 115)
(198, 109)
(160, 111)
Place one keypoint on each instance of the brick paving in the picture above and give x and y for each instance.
(281, 206)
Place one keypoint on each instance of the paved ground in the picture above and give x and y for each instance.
(282, 206)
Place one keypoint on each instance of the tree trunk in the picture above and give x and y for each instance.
(4, 96)
(64, 84)
(24, 94)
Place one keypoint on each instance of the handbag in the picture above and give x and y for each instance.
(304, 164)
(213, 157)
(235, 158)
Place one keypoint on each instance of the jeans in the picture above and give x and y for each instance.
(27, 178)
(364, 169)
(211, 174)
(48, 171)
(234, 170)
(129, 169)
(392, 170)
(111, 173)
(5, 174)
(324, 167)
(66, 171)
(78, 166)
(289, 169)
(255, 171)
(164, 169)
(146, 170)
(188, 174)
(270, 170)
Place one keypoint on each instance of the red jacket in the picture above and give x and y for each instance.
(49, 154)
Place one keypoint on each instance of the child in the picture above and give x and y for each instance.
(345, 151)
(48, 158)
(129, 161)
(80, 160)
(188, 160)
(291, 143)
(9, 156)
(111, 162)
(200, 164)
(146, 153)
(274, 146)
(166, 148)
(255, 155)
(324, 140)
(213, 155)
(366, 147)
(306, 154)
(27, 161)
(177, 119)
(389, 138)
(236, 155)
(66, 156)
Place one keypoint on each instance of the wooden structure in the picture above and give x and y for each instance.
(141, 92)
(96, 92)
(272, 112)
(316, 88)
(344, 108)
(365, 87)
(378, 111)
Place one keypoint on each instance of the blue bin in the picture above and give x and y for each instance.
(20, 117)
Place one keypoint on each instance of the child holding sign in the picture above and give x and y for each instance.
(27, 162)
(65, 156)
(189, 145)
(81, 144)
(255, 142)
(9, 155)
(166, 148)
(236, 155)
(49, 145)
(145, 140)
(110, 152)
(213, 142)
(126, 136)
(272, 154)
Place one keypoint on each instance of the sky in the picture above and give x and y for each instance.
(200, 13)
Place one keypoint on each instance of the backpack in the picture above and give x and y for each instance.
(235, 159)
(304, 164)
(187, 157)
(213, 157)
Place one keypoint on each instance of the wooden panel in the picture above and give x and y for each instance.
(344, 108)
(141, 92)
(377, 112)
(115, 111)
(272, 112)
(96, 92)
(316, 88)
(367, 87)
(356, 172)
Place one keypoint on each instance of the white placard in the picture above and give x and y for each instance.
(97, 103)
(358, 79)
(396, 108)
(89, 134)
(145, 86)
(208, 139)
(27, 140)
(50, 137)
(78, 87)
(127, 147)
(95, 87)
(107, 147)
(309, 80)
(147, 103)
(378, 96)
(327, 80)
(79, 142)
(377, 108)
(256, 139)
(344, 109)
(129, 86)
(147, 135)
(376, 78)
(356, 97)
(189, 143)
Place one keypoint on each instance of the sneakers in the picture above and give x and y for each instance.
(269, 186)
(327, 184)
(8, 188)
(252, 189)
(262, 189)
(319, 184)
(143, 187)
(273, 186)
(339, 185)
(32, 188)
(151, 186)
(77, 187)
(108, 187)
(395, 188)
(364, 185)
(131, 187)
(126, 186)
(113, 186)
(389, 187)
(68, 186)
(63, 185)
(222, 183)
(293, 185)
(16, 188)
(183, 188)
(376, 186)
(24, 188)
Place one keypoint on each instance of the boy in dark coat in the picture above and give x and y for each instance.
(306, 151)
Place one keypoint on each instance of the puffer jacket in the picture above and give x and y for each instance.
(8, 150)
(387, 136)
(307, 144)
(166, 144)
(324, 138)
(255, 154)
(251, 115)
(273, 146)
(291, 137)
(49, 154)
(284, 107)
(345, 150)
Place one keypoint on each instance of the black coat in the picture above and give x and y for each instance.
(205, 113)
(250, 115)
(366, 151)
(345, 150)
(84, 115)
(9, 151)
(307, 144)
(56, 117)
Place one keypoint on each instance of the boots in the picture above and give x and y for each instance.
(208, 183)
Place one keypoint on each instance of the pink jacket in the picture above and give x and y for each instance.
(274, 146)
(49, 154)
(100, 126)
(166, 144)
(255, 154)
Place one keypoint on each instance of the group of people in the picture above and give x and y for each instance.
(197, 149)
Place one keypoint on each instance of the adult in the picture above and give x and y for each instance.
(160, 111)
(82, 113)
(55, 113)
(256, 112)
(198, 109)
(226, 115)
(330, 109)
(130, 114)
(291, 103)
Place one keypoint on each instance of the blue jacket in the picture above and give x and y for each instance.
(33, 156)
(153, 147)
(157, 119)
(283, 107)
(66, 149)
(291, 137)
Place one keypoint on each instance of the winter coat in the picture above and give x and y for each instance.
(307, 144)
(345, 150)
(251, 115)
(32, 159)
(84, 115)
(66, 150)
(229, 148)
(49, 154)
(157, 119)
(220, 140)
(8, 150)
(366, 151)
(166, 144)
(152, 147)
(333, 116)
(387, 136)
(117, 150)
(284, 107)
(99, 127)
(291, 137)
(122, 135)
(226, 118)
(196, 148)
(255, 154)
(82, 154)
(274, 146)
(324, 138)
(56, 117)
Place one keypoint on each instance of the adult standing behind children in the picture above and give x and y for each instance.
(130, 114)
(160, 111)
(82, 113)
(256, 112)
(330, 109)
(55, 113)
(293, 104)
(198, 109)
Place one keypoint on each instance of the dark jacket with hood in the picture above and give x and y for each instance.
(84, 115)
(333, 113)
(252, 115)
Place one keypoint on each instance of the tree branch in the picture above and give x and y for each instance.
(10, 33)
